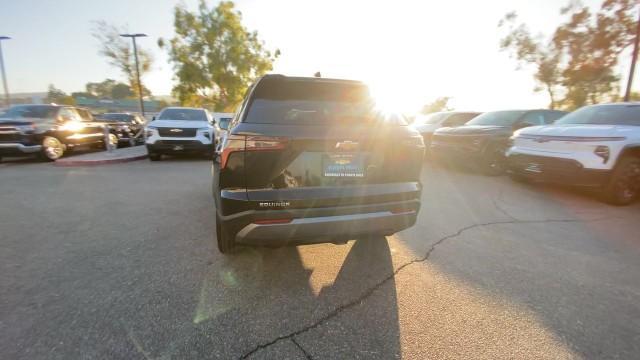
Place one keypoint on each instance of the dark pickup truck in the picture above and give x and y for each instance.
(127, 127)
(47, 131)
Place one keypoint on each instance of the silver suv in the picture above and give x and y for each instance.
(180, 130)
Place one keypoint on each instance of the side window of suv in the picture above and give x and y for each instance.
(533, 118)
(85, 115)
(68, 114)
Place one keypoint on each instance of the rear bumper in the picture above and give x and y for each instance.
(17, 148)
(321, 225)
(556, 170)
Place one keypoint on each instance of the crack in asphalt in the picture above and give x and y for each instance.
(306, 354)
(333, 313)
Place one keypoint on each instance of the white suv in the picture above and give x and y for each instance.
(597, 145)
(178, 130)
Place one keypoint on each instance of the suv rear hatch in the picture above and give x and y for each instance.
(319, 143)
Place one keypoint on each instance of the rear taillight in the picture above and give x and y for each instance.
(235, 143)
(258, 143)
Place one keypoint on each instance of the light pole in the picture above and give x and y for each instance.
(135, 55)
(634, 58)
(4, 75)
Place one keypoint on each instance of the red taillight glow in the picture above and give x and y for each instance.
(272, 221)
(236, 143)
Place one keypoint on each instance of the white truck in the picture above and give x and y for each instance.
(597, 146)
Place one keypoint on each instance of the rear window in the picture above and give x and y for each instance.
(313, 102)
(183, 114)
(604, 115)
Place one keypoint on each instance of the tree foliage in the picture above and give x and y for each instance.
(57, 96)
(439, 104)
(214, 56)
(576, 66)
(119, 52)
(111, 89)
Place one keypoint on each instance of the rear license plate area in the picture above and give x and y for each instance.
(343, 165)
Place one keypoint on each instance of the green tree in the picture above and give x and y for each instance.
(545, 59)
(577, 64)
(112, 89)
(119, 52)
(215, 57)
(439, 104)
(57, 96)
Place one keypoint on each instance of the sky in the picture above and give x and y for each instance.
(409, 52)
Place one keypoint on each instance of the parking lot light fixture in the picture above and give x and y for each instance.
(135, 55)
(4, 75)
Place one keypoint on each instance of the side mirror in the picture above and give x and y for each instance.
(153, 118)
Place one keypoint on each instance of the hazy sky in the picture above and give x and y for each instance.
(410, 52)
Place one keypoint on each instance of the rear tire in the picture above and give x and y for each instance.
(155, 156)
(624, 184)
(226, 244)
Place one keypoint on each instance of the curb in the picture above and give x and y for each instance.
(98, 162)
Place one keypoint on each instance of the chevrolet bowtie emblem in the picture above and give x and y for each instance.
(176, 130)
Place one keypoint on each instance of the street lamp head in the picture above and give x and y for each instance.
(133, 35)
(4, 38)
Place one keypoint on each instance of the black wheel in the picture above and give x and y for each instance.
(225, 242)
(624, 185)
(52, 149)
(155, 156)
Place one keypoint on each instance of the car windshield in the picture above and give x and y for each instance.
(498, 118)
(429, 119)
(35, 112)
(224, 122)
(183, 114)
(604, 115)
(116, 117)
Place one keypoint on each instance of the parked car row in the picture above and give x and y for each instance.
(51, 131)
(596, 146)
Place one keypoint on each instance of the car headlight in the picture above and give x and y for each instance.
(149, 131)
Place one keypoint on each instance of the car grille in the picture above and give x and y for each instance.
(10, 137)
(177, 132)
(545, 164)
(178, 142)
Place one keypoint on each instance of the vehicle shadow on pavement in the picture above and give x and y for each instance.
(299, 295)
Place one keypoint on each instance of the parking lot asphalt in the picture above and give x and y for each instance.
(118, 262)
